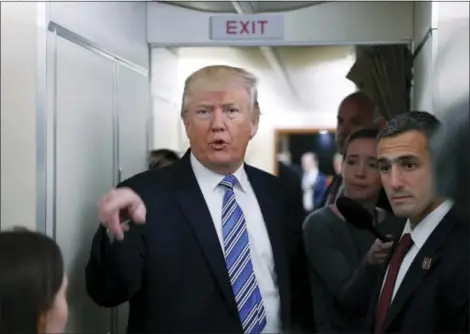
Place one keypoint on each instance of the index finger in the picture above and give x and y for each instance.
(121, 199)
(114, 226)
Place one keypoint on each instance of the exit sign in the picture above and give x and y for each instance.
(247, 27)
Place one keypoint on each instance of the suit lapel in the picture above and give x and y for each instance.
(198, 216)
(271, 215)
(419, 269)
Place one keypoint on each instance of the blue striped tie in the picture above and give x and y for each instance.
(238, 260)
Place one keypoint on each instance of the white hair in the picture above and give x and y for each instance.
(222, 73)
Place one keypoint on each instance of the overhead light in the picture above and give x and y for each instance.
(323, 132)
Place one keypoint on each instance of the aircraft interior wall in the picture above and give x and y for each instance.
(79, 112)
(75, 112)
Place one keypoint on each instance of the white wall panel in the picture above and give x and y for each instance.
(424, 62)
(350, 22)
(164, 76)
(84, 169)
(452, 15)
(18, 114)
(116, 26)
(446, 17)
(165, 99)
(167, 125)
(133, 108)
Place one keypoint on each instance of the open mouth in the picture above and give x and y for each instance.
(218, 145)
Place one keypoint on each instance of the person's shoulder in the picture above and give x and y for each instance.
(259, 173)
(318, 220)
(150, 179)
(273, 182)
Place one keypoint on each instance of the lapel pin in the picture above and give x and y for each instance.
(426, 263)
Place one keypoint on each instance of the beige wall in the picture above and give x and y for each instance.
(18, 114)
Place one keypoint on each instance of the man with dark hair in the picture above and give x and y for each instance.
(161, 158)
(424, 288)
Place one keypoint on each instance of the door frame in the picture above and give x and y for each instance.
(296, 131)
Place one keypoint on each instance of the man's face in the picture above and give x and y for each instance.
(351, 117)
(405, 168)
(308, 162)
(219, 125)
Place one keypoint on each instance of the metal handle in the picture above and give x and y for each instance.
(119, 176)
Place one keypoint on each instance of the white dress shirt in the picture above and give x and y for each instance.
(419, 235)
(260, 245)
(308, 182)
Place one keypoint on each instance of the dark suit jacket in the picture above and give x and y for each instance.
(434, 300)
(291, 181)
(172, 269)
(289, 176)
(319, 189)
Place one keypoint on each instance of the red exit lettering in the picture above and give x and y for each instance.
(236, 27)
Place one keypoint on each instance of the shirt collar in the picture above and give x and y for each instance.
(423, 230)
(209, 180)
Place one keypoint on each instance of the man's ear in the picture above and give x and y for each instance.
(184, 119)
(254, 126)
(255, 120)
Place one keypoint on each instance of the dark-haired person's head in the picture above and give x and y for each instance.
(161, 158)
(360, 174)
(405, 164)
(32, 284)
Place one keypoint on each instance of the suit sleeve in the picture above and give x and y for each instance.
(114, 270)
(351, 287)
(301, 302)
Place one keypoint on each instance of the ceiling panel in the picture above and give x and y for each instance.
(257, 6)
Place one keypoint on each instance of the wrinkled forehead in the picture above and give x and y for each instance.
(408, 144)
(217, 91)
(353, 109)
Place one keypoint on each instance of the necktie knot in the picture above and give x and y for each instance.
(405, 243)
(228, 182)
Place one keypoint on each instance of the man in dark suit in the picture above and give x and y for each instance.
(424, 286)
(356, 111)
(291, 179)
(214, 245)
